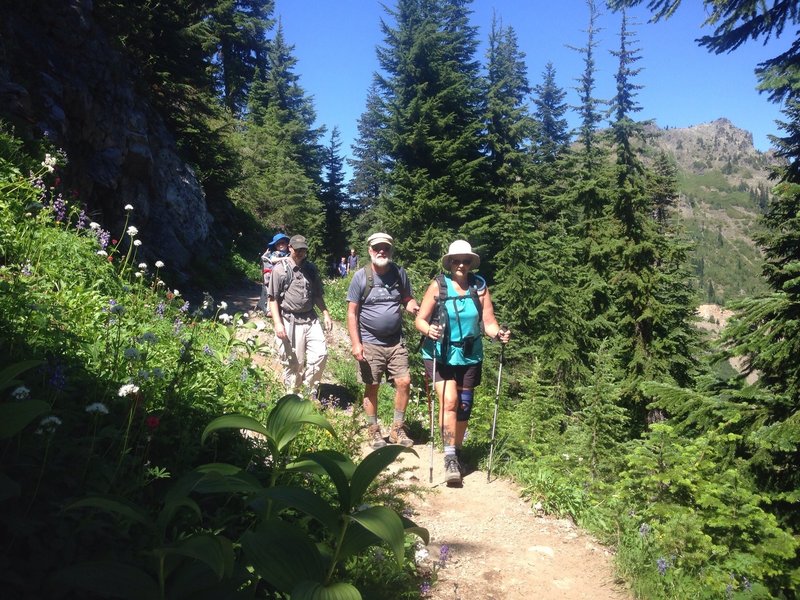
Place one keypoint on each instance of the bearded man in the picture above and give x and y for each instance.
(377, 296)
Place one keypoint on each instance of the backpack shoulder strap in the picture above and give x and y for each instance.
(369, 282)
(284, 274)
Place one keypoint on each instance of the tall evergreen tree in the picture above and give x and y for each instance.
(553, 134)
(240, 31)
(334, 198)
(370, 158)
(432, 92)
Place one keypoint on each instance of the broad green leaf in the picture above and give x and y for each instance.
(216, 483)
(8, 376)
(283, 555)
(410, 527)
(369, 468)
(119, 506)
(214, 551)
(15, 416)
(335, 464)
(171, 506)
(307, 502)
(234, 421)
(356, 540)
(307, 590)
(386, 524)
(108, 579)
(290, 413)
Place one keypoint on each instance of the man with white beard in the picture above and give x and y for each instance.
(377, 295)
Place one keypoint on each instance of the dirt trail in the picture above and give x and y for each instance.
(499, 547)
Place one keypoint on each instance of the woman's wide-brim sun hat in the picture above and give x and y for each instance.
(460, 248)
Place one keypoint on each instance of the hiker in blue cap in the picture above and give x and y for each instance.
(277, 249)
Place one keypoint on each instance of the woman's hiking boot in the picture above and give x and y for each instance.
(398, 435)
(452, 471)
(375, 436)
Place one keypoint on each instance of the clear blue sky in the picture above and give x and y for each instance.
(335, 40)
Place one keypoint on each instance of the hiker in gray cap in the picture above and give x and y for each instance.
(377, 295)
(295, 288)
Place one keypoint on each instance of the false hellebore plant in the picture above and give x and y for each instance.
(301, 557)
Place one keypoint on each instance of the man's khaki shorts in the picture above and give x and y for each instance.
(379, 360)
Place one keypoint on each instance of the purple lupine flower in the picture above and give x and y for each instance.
(662, 564)
(103, 237)
(57, 376)
(82, 220)
(177, 326)
(160, 309)
(244, 375)
(185, 307)
(425, 588)
(644, 530)
(444, 555)
(746, 584)
(60, 208)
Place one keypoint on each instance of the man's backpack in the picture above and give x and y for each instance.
(370, 282)
(309, 269)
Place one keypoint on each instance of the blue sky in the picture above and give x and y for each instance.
(335, 40)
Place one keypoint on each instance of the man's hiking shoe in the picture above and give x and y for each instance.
(375, 436)
(398, 435)
(452, 472)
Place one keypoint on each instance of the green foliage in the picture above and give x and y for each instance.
(109, 389)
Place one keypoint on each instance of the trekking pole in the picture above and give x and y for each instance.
(430, 413)
(496, 405)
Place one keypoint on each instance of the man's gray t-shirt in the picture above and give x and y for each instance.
(381, 316)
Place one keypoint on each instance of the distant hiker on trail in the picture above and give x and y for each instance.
(455, 310)
(352, 261)
(294, 289)
(343, 267)
(377, 295)
(277, 249)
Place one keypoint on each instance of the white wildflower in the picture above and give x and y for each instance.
(132, 231)
(137, 243)
(102, 253)
(97, 407)
(225, 318)
(138, 274)
(128, 208)
(49, 163)
(128, 390)
(21, 393)
(94, 226)
(239, 322)
(176, 292)
(159, 264)
(420, 555)
(223, 305)
(143, 266)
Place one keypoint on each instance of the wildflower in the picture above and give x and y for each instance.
(379, 554)
(49, 163)
(644, 530)
(239, 322)
(225, 318)
(27, 269)
(127, 390)
(157, 373)
(94, 226)
(244, 374)
(132, 353)
(143, 266)
(662, 565)
(143, 375)
(128, 208)
(444, 555)
(425, 588)
(116, 309)
(132, 231)
(138, 274)
(58, 379)
(21, 393)
(223, 305)
(81, 224)
(246, 315)
(148, 337)
(159, 264)
(160, 308)
(746, 584)
(185, 307)
(103, 237)
(176, 292)
(177, 326)
(60, 208)
(420, 555)
(137, 243)
(48, 424)
(152, 422)
(97, 407)
(102, 253)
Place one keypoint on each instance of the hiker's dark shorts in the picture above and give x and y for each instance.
(465, 376)
(380, 360)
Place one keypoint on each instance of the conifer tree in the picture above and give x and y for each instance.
(432, 92)
(334, 198)
(553, 134)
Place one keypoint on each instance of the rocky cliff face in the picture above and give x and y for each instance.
(61, 78)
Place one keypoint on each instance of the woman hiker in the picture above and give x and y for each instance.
(452, 329)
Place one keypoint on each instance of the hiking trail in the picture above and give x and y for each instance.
(498, 546)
